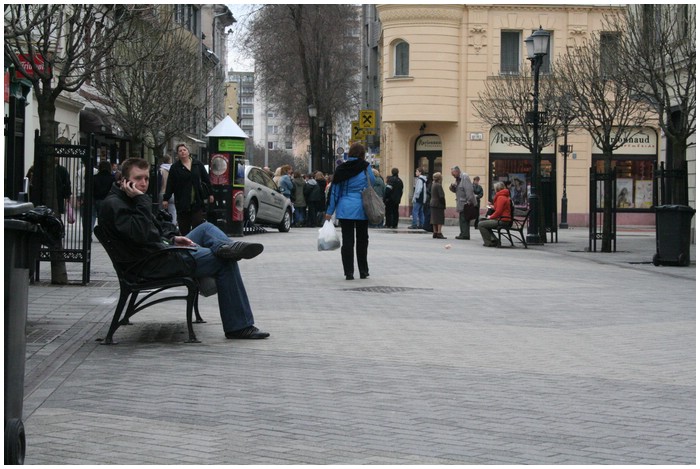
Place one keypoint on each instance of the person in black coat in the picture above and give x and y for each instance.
(189, 182)
(101, 185)
(392, 198)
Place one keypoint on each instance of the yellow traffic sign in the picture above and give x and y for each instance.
(367, 119)
(357, 132)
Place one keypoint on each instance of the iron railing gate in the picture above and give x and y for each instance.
(78, 161)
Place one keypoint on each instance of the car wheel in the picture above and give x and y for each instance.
(286, 222)
(252, 213)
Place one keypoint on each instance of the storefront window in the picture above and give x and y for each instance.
(635, 182)
(518, 173)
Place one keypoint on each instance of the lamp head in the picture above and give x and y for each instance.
(312, 110)
(537, 44)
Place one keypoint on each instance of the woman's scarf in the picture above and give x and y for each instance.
(349, 169)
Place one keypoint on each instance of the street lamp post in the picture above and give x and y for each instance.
(537, 47)
(313, 112)
(565, 150)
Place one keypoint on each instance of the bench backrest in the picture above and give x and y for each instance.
(112, 249)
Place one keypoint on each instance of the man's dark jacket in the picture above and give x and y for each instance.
(137, 233)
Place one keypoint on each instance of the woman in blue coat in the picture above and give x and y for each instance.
(349, 179)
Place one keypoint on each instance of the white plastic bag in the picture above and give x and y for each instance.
(328, 238)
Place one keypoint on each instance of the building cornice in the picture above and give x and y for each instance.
(420, 14)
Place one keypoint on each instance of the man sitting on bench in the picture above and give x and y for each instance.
(501, 215)
(126, 216)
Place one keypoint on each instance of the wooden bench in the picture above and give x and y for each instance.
(515, 228)
(131, 286)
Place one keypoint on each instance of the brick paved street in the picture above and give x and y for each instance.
(466, 355)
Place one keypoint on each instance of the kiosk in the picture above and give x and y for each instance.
(227, 175)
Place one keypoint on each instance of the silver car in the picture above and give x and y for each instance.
(264, 202)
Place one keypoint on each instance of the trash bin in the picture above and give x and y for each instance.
(20, 244)
(673, 234)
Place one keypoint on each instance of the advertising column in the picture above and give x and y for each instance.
(227, 175)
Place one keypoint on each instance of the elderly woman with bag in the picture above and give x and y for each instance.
(345, 200)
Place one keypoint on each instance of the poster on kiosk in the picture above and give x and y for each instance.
(226, 146)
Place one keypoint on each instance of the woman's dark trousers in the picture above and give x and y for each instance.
(354, 231)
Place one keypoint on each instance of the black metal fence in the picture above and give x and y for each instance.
(74, 175)
(596, 208)
(671, 185)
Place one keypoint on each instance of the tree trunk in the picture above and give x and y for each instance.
(47, 184)
(608, 201)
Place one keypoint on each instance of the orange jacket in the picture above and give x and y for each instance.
(501, 205)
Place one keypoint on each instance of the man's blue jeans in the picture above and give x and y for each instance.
(417, 214)
(234, 306)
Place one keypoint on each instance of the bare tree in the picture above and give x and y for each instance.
(603, 103)
(306, 55)
(507, 103)
(159, 98)
(65, 45)
(658, 58)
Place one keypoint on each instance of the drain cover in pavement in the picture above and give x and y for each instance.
(385, 289)
(43, 336)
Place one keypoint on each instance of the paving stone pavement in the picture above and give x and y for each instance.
(450, 353)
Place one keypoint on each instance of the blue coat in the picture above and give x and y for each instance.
(346, 197)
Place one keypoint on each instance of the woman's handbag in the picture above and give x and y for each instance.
(373, 205)
(328, 238)
(471, 212)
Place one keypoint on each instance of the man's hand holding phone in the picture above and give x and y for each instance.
(130, 188)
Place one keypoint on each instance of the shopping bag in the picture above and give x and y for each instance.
(328, 238)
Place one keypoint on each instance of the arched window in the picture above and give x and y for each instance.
(401, 59)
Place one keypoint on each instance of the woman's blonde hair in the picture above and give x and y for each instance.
(437, 177)
(498, 186)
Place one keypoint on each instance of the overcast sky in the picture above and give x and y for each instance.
(242, 12)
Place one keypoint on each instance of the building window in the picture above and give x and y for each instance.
(246, 111)
(609, 52)
(187, 16)
(271, 145)
(401, 50)
(511, 47)
(287, 145)
(272, 129)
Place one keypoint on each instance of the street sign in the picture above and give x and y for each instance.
(357, 132)
(367, 119)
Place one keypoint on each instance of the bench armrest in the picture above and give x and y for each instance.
(173, 261)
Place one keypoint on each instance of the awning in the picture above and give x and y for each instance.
(196, 140)
(93, 121)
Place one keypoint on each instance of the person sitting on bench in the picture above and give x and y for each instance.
(500, 215)
(126, 216)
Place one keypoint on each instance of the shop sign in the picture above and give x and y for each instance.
(501, 142)
(642, 142)
(429, 143)
(26, 61)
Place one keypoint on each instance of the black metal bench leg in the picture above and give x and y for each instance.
(198, 319)
(115, 319)
(191, 300)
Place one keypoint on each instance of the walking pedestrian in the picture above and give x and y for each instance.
(189, 183)
(345, 200)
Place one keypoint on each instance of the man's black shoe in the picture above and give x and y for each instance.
(239, 250)
(250, 332)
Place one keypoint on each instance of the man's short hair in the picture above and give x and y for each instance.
(394, 171)
(455, 168)
(130, 162)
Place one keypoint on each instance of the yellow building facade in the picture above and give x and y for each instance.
(435, 60)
